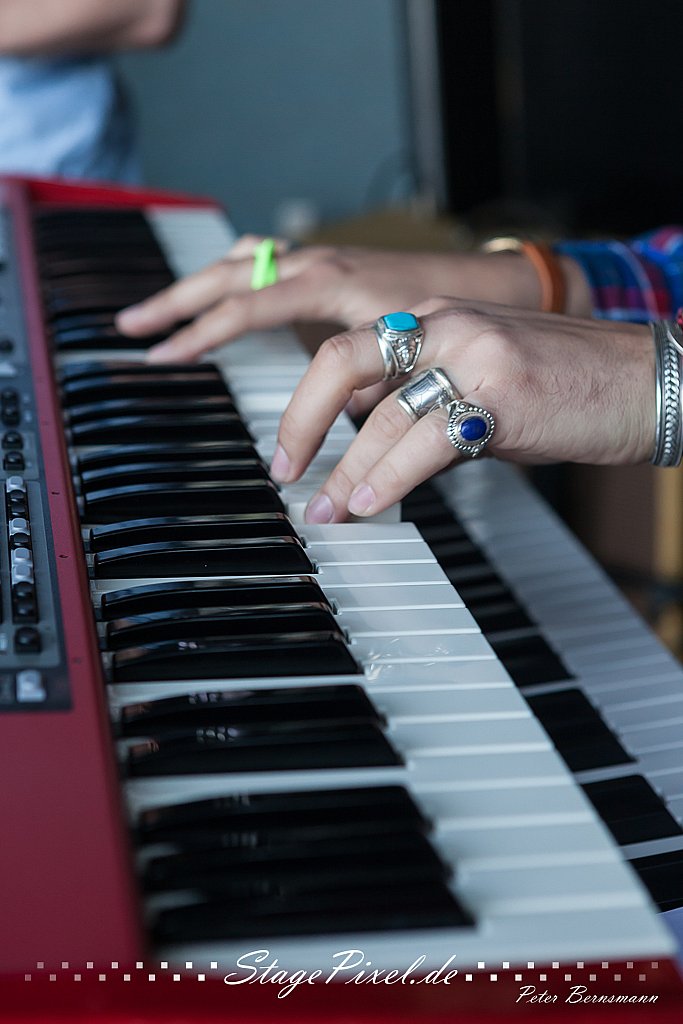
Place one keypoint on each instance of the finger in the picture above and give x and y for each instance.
(245, 245)
(384, 428)
(342, 365)
(248, 311)
(184, 299)
(363, 401)
(423, 451)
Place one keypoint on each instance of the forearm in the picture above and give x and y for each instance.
(511, 279)
(43, 27)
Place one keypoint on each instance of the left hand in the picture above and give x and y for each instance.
(559, 388)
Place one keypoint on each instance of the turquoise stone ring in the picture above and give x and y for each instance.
(399, 336)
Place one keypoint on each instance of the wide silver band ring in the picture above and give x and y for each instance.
(399, 336)
(423, 394)
(469, 428)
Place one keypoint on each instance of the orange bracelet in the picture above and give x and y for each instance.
(546, 265)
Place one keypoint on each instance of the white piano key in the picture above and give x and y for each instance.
(388, 597)
(414, 620)
(446, 704)
(436, 739)
(432, 648)
(562, 802)
(190, 237)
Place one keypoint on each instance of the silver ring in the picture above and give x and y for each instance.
(469, 428)
(423, 394)
(399, 336)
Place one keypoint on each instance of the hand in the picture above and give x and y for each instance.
(559, 389)
(347, 286)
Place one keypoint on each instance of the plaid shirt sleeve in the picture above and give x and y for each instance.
(639, 280)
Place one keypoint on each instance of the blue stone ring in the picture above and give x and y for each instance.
(399, 336)
(470, 428)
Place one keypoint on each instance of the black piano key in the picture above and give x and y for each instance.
(365, 909)
(244, 557)
(283, 746)
(457, 553)
(499, 616)
(360, 810)
(194, 426)
(93, 303)
(97, 337)
(440, 528)
(662, 875)
(180, 499)
(252, 870)
(631, 809)
(220, 707)
(80, 321)
(70, 221)
(62, 287)
(449, 542)
(169, 528)
(133, 385)
(201, 623)
(171, 472)
(208, 593)
(103, 263)
(530, 660)
(171, 405)
(88, 369)
(293, 654)
(577, 730)
(102, 458)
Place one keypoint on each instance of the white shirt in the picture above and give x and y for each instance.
(65, 117)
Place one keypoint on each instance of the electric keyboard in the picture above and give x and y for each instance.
(450, 736)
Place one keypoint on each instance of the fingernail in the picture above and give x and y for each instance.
(362, 499)
(320, 510)
(129, 315)
(279, 467)
(159, 354)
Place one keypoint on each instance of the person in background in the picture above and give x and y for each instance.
(536, 386)
(63, 111)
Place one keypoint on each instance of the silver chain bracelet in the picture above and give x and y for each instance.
(668, 339)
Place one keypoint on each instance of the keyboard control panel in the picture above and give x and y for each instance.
(33, 673)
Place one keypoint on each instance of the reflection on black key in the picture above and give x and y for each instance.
(102, 458)
(631, 809)
(93, 368)
(96, 337)
(222, 707)
(345, 863)
(194, 426)
(167, 528)
(283, 746)
(209, 594)
(577, 730)
(364, 909)
(200, 623)
(170, 472)
(251, 557)
(361, 810)
(293, 654)
(180, 499)
(171, 405)
(134, 386)
(662, 874)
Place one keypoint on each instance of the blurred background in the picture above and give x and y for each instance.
(434, 123)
